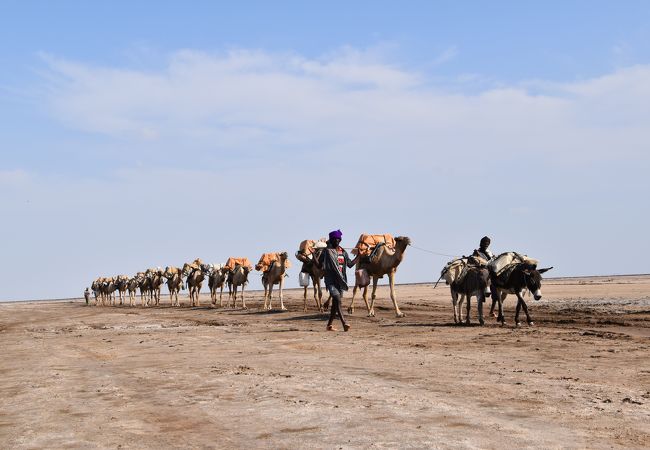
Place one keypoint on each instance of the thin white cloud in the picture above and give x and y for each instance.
(245, 97)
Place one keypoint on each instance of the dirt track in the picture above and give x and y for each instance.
(97, 377)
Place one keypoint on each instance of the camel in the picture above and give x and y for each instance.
(144, 283)
(274, 275)
(316, 275)
(174, 283)
(386, 264)
(188, 268)
(217, 280)
(97, 290)
(108, 290)
(157, 280)
(132, 286)
(194, 283)
(237, 277)
(121, 285)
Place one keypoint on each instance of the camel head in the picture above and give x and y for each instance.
(402, 242)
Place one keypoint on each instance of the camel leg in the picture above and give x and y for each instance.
(469, 298)
(267, 300)
(221, 297)
(454, 304)
(318, 293)
(391, 279)
(354, 293)
(304, 299)
(282, 307)
(371, 308)
(320, 296)
(243, 300)
(365, 299)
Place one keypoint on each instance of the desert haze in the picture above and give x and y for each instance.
(204, 377)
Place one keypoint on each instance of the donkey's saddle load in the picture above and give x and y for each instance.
(455, 270)
(507, 260)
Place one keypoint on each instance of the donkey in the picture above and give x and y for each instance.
(475, 283)
(514, 281)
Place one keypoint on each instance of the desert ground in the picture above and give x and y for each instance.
(77, 376)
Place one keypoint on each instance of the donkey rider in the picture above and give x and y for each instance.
(484, 253)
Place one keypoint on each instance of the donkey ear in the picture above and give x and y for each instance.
(545, 270)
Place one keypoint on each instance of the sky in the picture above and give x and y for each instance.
(144, 134)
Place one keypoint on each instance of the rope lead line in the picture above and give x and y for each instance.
(434, 253)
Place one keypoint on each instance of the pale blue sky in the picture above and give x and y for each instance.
(138, 134)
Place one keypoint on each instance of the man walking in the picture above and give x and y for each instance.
(333, 261)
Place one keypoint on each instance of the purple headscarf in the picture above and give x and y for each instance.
(336, 234)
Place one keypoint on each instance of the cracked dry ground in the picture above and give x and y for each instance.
(121, 377)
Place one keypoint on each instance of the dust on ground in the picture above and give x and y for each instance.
(204, 377)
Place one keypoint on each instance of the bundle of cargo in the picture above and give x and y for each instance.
(508, 260)
(194, 265)
(233, 262)
(307, 248)
(372, 246)
(267, 259)
(455, 270)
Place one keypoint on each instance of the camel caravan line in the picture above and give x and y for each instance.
(379, 255)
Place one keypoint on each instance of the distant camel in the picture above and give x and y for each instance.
(157, 280)
(315, 274)
(132, 286)
(144, 283)
(237, 277)
(217, 280)
(108, 289)
(386, 264)
(194, 283)
(121, 285)
(174, 283)
(274, 275)
(97, 290)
